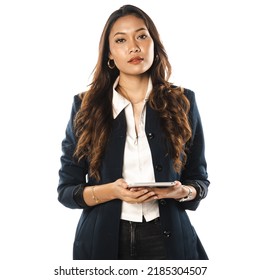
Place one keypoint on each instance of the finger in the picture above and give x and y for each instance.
(132, 197)
(150, 195)
(177, 184)
(140, 193)
(138, 196)
(163, 190)
(137, 189)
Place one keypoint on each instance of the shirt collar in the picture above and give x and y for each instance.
(119, 102)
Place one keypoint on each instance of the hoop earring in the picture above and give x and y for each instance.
(109, 64)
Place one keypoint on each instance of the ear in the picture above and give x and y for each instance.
(110, 56)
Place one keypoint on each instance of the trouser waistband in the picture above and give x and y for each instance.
(154, 221)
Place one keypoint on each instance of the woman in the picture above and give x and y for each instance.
(132, 125)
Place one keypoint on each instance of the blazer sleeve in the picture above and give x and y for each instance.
(72, 174)
(195, 170)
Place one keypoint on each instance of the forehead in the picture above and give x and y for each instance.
(126, 24)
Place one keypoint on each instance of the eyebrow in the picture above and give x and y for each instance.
(137, 30)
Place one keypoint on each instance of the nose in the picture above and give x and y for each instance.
(134, 48)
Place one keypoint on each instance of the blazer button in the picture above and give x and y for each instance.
(167, 233)
(162, 202)
(158, 168)
(150, 135)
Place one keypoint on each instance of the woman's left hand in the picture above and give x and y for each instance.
(177, 191)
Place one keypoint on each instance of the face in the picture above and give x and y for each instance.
(131, 46)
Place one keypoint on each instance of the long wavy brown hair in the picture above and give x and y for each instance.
(94, 119)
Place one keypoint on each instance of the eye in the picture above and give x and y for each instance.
(142, 37)
(120, 40)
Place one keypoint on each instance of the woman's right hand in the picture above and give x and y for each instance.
(122, 191)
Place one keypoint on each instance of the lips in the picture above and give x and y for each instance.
(136, 59)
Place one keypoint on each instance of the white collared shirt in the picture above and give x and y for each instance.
(138, 164)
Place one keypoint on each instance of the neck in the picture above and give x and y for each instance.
(133, 88)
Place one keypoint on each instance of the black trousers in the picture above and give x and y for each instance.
(141, 241)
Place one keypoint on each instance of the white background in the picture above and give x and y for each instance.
(48, 50)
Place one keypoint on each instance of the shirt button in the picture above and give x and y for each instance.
(158, 168)
(162, 202)
(167, 233)
(150, 135)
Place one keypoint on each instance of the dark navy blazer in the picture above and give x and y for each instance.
(97, 232)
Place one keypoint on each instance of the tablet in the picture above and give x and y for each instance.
(151, 184)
